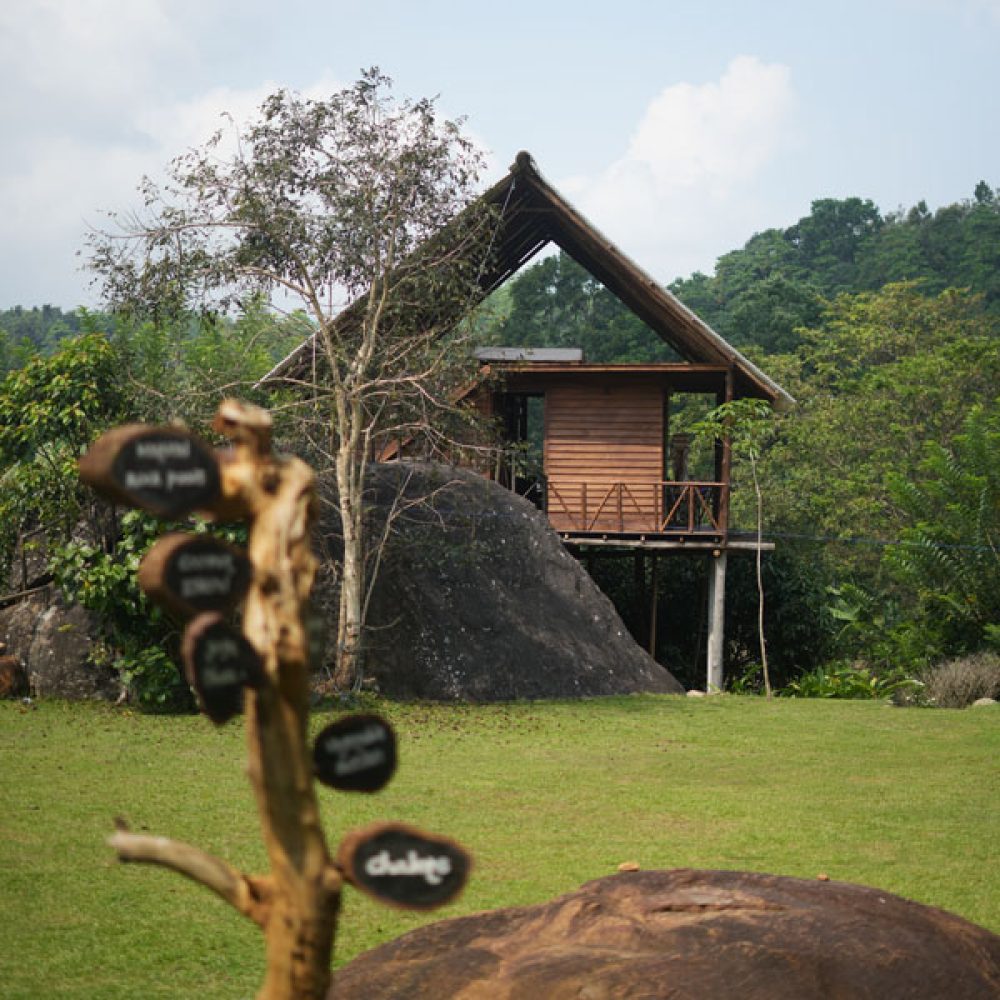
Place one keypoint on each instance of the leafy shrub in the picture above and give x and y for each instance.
(50, 410)
(958, 683)
(750, 680)
(850, 680)
(135, 632)
(139, 641)
(948, 554)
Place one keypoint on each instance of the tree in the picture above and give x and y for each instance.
(357, 199)
(770, 313)
(51, 408)
(746, 424)
(949, 553)
(883, 374)
(558, 303)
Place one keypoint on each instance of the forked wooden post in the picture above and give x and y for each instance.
(265, 672)
(296, 904)
(277, 497)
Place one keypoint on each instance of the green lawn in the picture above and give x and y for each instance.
(546, 796)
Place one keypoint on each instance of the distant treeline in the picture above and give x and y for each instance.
(779, 279)
(779, 282)
(24, 332)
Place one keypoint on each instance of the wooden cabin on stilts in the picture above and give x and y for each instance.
(612, 474)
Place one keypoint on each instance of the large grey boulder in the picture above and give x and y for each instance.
(54, 643)
(689, 935)
(477, 599)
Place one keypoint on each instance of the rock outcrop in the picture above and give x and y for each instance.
(13, 679)
(477, 599)
(689, 935)
(53, 642)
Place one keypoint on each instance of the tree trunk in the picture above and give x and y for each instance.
(350, 624)
(760, 578)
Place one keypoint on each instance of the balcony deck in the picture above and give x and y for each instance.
(664, 509)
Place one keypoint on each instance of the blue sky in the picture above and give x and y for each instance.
(679, 129)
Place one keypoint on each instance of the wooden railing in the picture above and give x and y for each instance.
(664, 508)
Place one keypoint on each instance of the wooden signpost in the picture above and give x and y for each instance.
(263, 669)
(188, 574)
(219, 663)
(356, 754)
(165, 470)
(403, 866)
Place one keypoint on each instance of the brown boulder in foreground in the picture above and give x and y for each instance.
(688, 934)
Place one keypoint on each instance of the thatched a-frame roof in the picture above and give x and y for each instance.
(533, 214)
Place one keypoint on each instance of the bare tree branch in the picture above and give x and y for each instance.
(249, 895)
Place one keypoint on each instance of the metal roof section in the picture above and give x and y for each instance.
(560, 355)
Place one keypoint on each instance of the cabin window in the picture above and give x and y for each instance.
(521, 459)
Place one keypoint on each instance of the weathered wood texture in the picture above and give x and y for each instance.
(598, 434)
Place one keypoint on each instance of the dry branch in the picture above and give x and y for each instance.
(249, 895)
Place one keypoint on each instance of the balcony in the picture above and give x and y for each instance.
(666, 509)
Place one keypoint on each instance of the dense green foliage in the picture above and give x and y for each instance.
(55, 405)
(776, 283)
(876, 485)
(949, 555)
(557, 303)
(26, 332)
(50, 410)
(882, 374)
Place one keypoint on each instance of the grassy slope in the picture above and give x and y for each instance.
(547, 796)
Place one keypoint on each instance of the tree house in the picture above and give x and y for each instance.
(608, 464)
(592, 444)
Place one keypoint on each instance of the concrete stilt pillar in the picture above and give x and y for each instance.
(716, 622)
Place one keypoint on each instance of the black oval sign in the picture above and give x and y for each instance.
(403, 866)
(356, 754)
(220, 663)
(194, 573)
(167, 472)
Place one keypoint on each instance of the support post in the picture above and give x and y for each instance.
(637, 615)
(716, 622)
(654, 601)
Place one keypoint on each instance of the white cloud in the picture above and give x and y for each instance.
(82, 62)
(94, 99)
(686, 182)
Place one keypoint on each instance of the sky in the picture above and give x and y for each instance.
(678, 127)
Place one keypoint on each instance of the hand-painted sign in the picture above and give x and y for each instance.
(403, 866)
(165, 470)
(189, 574)
(356, 754)
(219, 663)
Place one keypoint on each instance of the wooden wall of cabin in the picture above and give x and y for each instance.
(597, 435)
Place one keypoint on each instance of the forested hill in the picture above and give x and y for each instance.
(760, 294)
(25, 331)
(779, 281)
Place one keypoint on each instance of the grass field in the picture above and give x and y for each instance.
(546, 796)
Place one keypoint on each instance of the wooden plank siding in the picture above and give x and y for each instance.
(597, 435)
